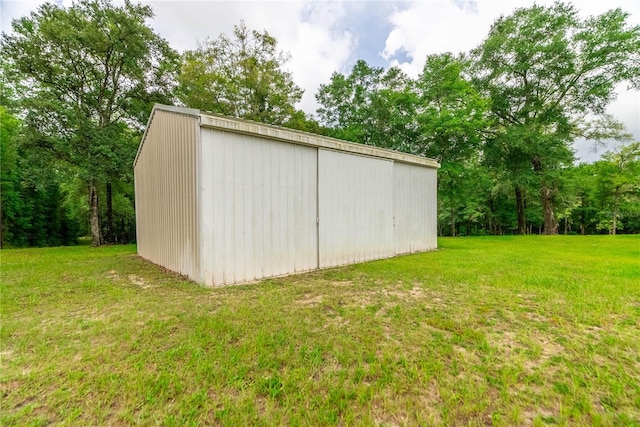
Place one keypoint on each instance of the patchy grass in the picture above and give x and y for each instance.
(485, 331)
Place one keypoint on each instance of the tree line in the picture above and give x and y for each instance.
(78, 84)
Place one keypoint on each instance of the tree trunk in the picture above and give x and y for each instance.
(522, 221)
(93, 209)
(453, 224)
(550, 223)
(109, 214)
(1, 225)
(614, 225)
(491, 223)
(582, 219)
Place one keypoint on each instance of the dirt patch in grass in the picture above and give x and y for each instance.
(412, 294)
(6, 355)
(341, 283)
(544, 415)
(112, 275)
(310, 301)
(385, 413)
(336, 322)
(132, 279)
(535, 317)
(8, 387)
(138, 281)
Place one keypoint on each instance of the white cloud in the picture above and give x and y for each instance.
(431, 27)
(438, 26)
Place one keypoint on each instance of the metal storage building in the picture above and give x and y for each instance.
(223, 200)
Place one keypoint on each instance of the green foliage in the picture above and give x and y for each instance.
(452, 118)
(92, 71)
(617, 179)
(241, 76)
(12, 204)
(10, 88)
(370, 106)
(33, 213)
(501, 120)
(123, 212)
(439, 115)
(545, 71)
(452, 115)
(582, 178)
(463, 191)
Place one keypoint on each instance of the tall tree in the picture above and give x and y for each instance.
(92, 70)
(241, 76)
(370, 106)
(547, 72)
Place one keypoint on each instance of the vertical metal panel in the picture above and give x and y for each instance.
(258, 200)
(166, 199)
(414, 208)
(355, 197)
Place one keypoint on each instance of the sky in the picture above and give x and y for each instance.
(327, 36)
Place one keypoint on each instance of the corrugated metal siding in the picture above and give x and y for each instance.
(165, 189)
(355, 208)
(414, 208)
(259, 207)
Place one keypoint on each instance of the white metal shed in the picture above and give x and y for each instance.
(223, 200)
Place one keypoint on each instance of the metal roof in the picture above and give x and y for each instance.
(248, 127)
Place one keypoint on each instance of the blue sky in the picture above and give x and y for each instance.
(327, 36)
(371, 27)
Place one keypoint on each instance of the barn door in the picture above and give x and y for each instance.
(355, 208)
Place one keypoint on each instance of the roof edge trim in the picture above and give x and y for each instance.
(248, 127)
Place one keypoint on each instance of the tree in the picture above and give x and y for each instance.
(32, 209)
(92, 70)
(12, 210)
(582, 178)
(370, 106)
(464, 197)
(618, 184)
(241, 76)
(548, 72)
(452, 115)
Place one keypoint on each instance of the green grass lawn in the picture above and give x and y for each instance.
(485, 331)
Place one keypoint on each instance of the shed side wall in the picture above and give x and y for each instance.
(414, 208)
(355, 208)
(165, 189)
(259, 207)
